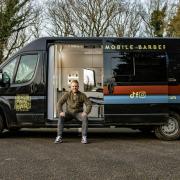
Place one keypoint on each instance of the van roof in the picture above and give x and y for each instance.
(42, 43)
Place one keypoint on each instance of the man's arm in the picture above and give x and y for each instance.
(60, 103)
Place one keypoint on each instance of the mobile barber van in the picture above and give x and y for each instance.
(132, 82)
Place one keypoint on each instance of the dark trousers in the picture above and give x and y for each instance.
(69, 116)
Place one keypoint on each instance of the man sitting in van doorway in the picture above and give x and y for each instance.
(74, 104)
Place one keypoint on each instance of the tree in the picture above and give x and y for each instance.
(174, 25)
(156, 15)
(157, 20)
(59, 18)
(15, 17)
(127, 21)
(82, 18)
(93, 18)
(35, 29)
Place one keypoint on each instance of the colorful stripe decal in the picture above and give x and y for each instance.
(149, 89)
(174, 89)
(159, 99)
(174, 99)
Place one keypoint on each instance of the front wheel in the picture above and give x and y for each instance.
(171, 130)
(1, 124)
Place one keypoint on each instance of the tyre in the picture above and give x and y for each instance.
(171, 130)
(1, 124)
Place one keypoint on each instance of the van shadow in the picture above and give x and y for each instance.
(96, 135)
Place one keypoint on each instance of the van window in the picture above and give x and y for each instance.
(150, 67)
(26, 68)
(122, 65)
(9, 68)
(174, 67)
(140, 67)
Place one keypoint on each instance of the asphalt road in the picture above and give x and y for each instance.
(117, 155)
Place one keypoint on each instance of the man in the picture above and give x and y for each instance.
(74, 104)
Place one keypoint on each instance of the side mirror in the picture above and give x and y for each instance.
(4, 79)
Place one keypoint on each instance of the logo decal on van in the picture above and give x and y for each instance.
(140, 94)
(22, 103)
(135, 47)
(172, 97)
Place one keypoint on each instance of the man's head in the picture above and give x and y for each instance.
(74, 86)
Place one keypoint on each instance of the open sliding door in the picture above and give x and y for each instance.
(81, 61)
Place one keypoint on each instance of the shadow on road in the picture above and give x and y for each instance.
(122, 134)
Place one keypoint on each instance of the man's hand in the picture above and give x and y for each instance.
(62, 114)
(84, 114)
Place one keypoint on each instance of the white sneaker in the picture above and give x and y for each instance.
(58, 140)
(84, 140)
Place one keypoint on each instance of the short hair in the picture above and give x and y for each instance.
(74, 81)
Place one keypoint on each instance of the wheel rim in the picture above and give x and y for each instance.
(171, 128)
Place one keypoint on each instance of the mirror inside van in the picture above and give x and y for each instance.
(89, 79)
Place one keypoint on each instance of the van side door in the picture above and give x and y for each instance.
(135, 83)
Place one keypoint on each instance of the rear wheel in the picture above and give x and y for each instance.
(171, 130)
(1, 124)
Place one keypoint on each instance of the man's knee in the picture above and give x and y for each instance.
(84, 117)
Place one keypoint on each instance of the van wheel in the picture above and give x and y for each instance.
(171, 130)
(1, 124)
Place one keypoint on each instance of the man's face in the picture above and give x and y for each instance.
(74, 87)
